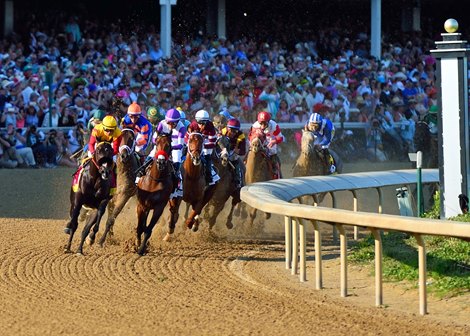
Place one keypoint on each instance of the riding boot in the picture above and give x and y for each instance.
(237, 174)
(329, 159)
(208, 169)
(176, 174)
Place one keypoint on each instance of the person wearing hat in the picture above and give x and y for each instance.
(135, 91)
(237, 149)
(431, 119)
(141, 127)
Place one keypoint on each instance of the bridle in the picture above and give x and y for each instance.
(195, 153)
(126, 150)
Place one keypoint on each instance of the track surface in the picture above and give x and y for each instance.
(234, 283)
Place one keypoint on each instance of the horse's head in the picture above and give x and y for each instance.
(222, 149)
(161, 160)
(307, 143)
(103, 159)
(195, 145)
(127, 144)
(163, 142)
(258, 138)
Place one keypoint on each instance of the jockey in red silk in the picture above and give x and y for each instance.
(141, 126)
(202, 124)
(271, 129)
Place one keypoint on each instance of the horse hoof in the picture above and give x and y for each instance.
(195, 228)
(268, 215)
(229, 225)
(80, 254)
(189, 225)
(167, 237)
(90, 241)
(68, 231)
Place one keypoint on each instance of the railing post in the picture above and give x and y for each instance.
(378, 267)
(303, 250)
(344, 260)
(295, 247)
(318, 259)
(288, 240)
(355, 207)
(423, 305)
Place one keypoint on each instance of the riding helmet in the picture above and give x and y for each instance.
(264, 116)
(182, 114)
(233, 123)
(202, 115)
(172, 115)
(134, 109)
(315, 118)
(109, 122)
(152, 112)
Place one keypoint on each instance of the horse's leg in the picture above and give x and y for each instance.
(229, 223)
(174, 215)
(197, 209)
(86, 230)
(115, 207)
(96, 226)
(142, 215)
(72, 225)
(157, 212)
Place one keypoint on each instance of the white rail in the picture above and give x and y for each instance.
(275, 197)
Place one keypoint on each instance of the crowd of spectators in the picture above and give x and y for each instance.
(93, 67)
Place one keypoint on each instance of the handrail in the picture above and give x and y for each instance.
(274, 197)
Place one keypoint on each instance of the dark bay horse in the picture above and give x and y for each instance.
(226, 187)
(153, 193)
(93, 192)
(126, 166)
(258, 166)
(195, 192)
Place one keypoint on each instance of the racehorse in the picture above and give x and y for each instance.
(258, 166)
(153, 193)
(93, 191)
(428, 145)
(312, 160)
(126, 166)
(226, 187)
(195, 192)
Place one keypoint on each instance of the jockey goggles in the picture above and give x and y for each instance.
(108, 130)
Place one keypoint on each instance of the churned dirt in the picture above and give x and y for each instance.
(226, 283)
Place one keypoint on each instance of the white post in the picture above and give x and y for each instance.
(375, 28)
(221, 25)
(8, 18)
(165, 26)
(453, 119)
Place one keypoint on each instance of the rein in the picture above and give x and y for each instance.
(126, 147)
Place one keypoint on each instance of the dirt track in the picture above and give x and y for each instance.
(198, 284)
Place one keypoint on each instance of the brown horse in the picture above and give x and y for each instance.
(93, 192)
(195, 192)
(258, 166)
(311, 160)
(126, 167)
(226, 187)
(153, 193)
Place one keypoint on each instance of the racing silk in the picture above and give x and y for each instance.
(209, 133)
(177, 139)
(143, 130)
(325, 134)
(98, 135)
(237, 142)
(272, 132)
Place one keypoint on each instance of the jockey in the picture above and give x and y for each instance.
(173, 126)
(238, 147)
(154, 116)
(183, 117)
(141, 126)
(324, 131)
(274, 136)
(202, 124)
(105, 131)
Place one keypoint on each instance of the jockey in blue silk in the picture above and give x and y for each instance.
(324, 131)
(141, 126)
